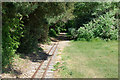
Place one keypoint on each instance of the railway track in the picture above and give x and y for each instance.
(44, 69)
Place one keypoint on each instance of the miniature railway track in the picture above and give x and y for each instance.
(47, 64)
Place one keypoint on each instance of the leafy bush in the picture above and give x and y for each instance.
(84, 34)
(52, 33)
(12, 32)
(73, 33)
(58, 30)
(12, 29)
(105, 27)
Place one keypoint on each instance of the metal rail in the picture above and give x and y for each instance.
(49, 61)
(42, 63)
(43, 75)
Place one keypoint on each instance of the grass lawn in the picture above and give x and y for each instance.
(95, 59)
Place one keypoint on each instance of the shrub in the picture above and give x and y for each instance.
(73, 33)
(12, 32)
(105, 27)
(84, 33)
(52, 33)
(58, 30)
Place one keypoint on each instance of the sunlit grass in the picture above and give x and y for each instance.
(95, 59)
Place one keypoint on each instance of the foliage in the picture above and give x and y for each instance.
(72, 33)
(84, 34)
(83, 12)
(52, 33)
(86, 11)
(13, 28)
(12, 31)
(100, 21)
(60, 27)
(105, 26)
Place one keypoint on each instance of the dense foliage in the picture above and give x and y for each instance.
(11, 32)
(102, 22)
(104, 27)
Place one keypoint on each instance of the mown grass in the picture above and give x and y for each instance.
(94, 59)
